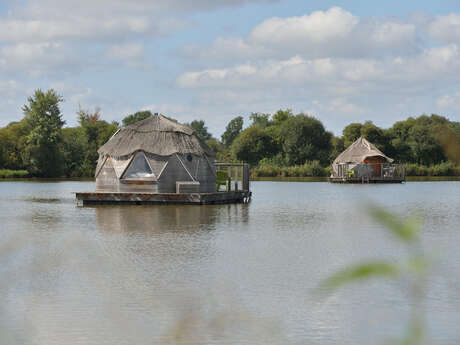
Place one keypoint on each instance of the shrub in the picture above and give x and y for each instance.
(13, 173)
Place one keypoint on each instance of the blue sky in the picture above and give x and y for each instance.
(342, 61)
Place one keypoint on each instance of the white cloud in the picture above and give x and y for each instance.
(318, 27)
(438, 62)
(37, 58)
(446, 28)
(331, 33)
(106, 20)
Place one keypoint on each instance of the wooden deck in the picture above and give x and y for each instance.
(112, 198)
(366, 180)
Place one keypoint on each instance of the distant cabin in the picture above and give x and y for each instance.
(362, 161)
(151, 155)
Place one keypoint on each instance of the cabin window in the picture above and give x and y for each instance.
(139, 168)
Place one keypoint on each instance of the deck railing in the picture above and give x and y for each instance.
(237, 176)
(370, 170)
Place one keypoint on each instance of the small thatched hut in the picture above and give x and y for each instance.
(362, 158)
(152, 155)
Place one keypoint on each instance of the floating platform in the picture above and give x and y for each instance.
(366, 180)
(127, 198)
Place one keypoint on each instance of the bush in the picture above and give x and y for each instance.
(310, 169)
(13, 173)
(442, 169)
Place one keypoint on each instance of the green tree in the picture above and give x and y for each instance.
(232, 130)
(252, 145)
(95, 133)
(200, 129)
(13, 140)
(282, 115)
(260, 120)
(305, 139)
(136, 117)
(42, 154)
(351, 133)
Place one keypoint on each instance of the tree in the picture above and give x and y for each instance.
(232, 130)
(136, 117)
(13, 141)
(351, 133)
(252, 145)
(200, 129)
(95, 133)
(42, 154)
(282, 115)
(260, 120)
(305, 139)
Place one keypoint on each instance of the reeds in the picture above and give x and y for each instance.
(5, 173)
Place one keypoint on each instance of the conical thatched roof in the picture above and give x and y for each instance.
(359, 151)
(157, 135)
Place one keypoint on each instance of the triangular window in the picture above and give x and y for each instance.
(139, 168)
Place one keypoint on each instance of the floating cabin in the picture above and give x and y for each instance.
(362, 162)
(158, 160)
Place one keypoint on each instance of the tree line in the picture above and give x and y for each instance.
(40, 144)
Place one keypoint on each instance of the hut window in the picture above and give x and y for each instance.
(189, 158)
(139, 168)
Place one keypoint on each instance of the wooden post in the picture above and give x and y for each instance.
(246, 177)
(236, 178)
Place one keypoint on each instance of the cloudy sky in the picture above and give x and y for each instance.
(342, 61)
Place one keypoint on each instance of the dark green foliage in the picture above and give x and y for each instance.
(253, 144)
(351, 133)
(42, 153)
(200, 129)
(305, 139)
(232, 130)
(136, 117)
(87, 138)
(418, 140)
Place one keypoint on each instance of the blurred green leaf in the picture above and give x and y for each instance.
(406, 230)
(359, 272)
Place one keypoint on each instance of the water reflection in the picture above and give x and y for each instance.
(164, 219)
(154, 219)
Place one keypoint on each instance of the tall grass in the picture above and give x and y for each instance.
(314, 169)
(442, 169)
(5, 173)
(310, 169)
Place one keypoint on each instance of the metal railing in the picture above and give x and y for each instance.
(370, 170)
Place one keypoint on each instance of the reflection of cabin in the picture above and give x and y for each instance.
(363, 162)
(158, 160)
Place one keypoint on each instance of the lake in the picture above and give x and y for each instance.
(221, 274)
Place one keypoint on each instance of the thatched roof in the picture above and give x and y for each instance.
(359, 151)
(157, 135)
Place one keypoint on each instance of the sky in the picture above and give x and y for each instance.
(340, 61)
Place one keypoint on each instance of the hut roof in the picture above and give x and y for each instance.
(157, 135)
(359, 151)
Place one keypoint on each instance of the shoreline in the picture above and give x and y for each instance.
(266, 179)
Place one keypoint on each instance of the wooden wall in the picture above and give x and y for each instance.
(178, 168)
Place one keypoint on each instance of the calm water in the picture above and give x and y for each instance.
(227, 274)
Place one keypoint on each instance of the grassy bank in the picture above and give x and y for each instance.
(443, 169)
(314, 169)
(5, 173)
